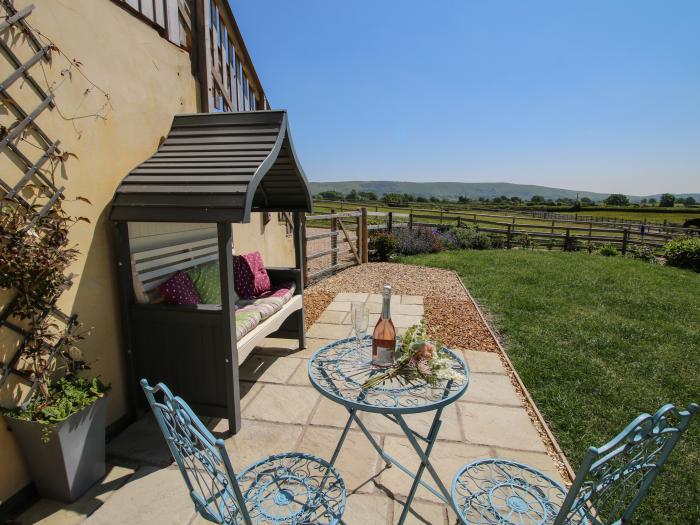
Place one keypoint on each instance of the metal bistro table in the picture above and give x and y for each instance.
(339, 369)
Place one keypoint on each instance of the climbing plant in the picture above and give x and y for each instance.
(35, 249)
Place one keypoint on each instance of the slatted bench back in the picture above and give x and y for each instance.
(150, 268)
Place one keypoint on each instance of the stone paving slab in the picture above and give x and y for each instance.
(153, 496)
(483, 362)
(51, 512)
(499, 426)
(282, 412)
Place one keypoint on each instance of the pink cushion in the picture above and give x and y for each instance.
(249, 275)
(179, 289)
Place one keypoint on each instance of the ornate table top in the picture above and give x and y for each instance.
(339, 369)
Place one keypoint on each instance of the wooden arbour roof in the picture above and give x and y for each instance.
(216, 167)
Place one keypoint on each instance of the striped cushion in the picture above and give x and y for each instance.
(247, 318)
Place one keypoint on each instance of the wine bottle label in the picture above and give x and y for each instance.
(385, 355)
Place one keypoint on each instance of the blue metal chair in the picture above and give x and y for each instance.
(289, 489)
(609, 486)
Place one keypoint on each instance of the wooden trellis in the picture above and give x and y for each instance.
(10, 140)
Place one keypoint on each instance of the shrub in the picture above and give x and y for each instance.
(382, 246)
(468, 237)
(571, 244)
(528, 242)
(418, 240)
(641, 253)
(683, 253)
(608, 250)
(498, 242)
(449, 240)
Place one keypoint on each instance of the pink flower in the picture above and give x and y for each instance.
(426, 351)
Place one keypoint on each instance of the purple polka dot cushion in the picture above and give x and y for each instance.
(250, 278)
(179, 289)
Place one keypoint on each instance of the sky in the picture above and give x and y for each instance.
(592, 95)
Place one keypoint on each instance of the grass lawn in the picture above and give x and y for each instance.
(597, 341)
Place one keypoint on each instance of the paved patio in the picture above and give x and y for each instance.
(282, 412)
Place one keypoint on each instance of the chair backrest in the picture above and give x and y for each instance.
(152, 267)
(613, 479)
(201, 457)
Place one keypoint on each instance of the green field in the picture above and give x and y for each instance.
(653, 215)
(597, 341)
(645, 214)
(532, 225)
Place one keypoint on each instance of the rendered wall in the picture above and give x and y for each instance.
(148, 80)
(269, 239)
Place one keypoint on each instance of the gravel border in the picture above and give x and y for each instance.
(450, 312)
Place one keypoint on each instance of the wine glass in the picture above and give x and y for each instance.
(360, 322)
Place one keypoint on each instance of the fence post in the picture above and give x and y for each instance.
(459, 221)
(510, 236)
(390, 221)
(334, 239)
(410, 220)
(365, 236)
(304, 262)
(358, 234)
(625, 240)
(567, 240)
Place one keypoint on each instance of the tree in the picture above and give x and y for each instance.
(617, 199)
(667, 200)
(352, 196)
(587, 201)
(463, 199)
(433, 198)
(392, 198)
(368, 196)
(690, 201)
(421, 199)
(330, 195)
(537, 199)
(643, 201)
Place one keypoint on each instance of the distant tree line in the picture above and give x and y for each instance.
(667, 200)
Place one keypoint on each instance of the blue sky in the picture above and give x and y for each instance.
(589, 95)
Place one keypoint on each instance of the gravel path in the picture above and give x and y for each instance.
(451, 315)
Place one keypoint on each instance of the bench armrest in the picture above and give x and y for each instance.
(278, 275)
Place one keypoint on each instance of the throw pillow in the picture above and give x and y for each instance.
(206, 280)
(179, 290)
(249, 275)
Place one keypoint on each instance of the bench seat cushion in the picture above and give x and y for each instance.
(247, 318)
(270, 302)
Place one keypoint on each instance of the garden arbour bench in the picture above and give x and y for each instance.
(212, 168)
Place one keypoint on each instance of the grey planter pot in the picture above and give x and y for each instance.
(74, 457)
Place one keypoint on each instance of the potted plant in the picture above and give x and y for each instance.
(59, 421)
(61, 433)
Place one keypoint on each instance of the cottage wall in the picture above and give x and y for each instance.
(147, 80)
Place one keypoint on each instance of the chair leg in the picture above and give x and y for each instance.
(300, 328)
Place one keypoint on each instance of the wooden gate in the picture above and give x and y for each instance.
(332, 242)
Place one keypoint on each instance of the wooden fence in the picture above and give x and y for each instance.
(333, 241)
(665, 225)
(337, 240)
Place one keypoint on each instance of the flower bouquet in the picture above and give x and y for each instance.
(417, 359)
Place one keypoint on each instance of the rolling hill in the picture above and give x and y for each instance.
(452, 190)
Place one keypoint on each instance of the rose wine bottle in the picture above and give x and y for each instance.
(384, 336)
